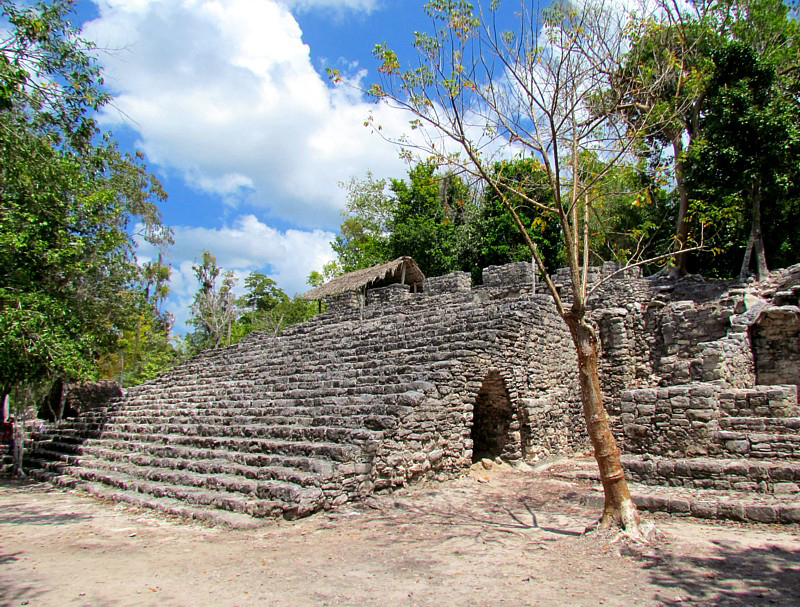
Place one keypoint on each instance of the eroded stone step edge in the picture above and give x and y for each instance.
(282, 491)
(242, 504)
(709, 505)
(758, 445)
(321, 468)
(194, 420)
(343, 422)
(779, 425)
(337, 452)
(174, 507)
(281, 481)
(325, 434)
(393, 405)
(762, 476)
(241, 412)
(277, 471)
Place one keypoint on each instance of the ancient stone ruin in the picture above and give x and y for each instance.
(407, 383)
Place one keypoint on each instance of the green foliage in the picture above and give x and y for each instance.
(749, 155)
(68, 201)
(496, 238)
(710, 88)
(364, 234)
(262, 294)
(330, 270)
(633, 217)
(215, 308)
(266, 307)
(664, 125)
(145, 348)
(428, 215)
(223, 319)
(143, 351)
(422, 217)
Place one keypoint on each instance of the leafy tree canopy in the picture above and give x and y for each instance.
(69, 201)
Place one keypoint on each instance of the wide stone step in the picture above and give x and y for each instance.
(66, 437)
(262, 488)
(313, 434)
(757, 476)
(349, 408)
(777, 401)
(251, 504)
(321, 468)
(780, 425)
(336, 452)
(709, 503)
(165, 505)
(713, 504)
(174, 507)
(271, 395)
(758, 445)
(280, 469)
(76, 434)
(193, 422)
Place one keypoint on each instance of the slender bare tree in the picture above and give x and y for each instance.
(214, 308)
(531, 82)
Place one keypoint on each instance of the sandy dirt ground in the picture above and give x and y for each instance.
(491, 539)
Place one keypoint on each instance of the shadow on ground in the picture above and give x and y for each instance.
(732, 576)
(21, 513)
(12, 593)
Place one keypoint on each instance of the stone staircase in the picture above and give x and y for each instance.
(246, 430)
(372, 396)
(204, 442)
(329, 411)
(745, 466)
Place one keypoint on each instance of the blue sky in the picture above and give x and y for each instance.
(229, 102)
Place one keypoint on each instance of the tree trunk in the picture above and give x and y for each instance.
(748, 251)
(682, 227)
(755, 242)
(19, 447)
(619, 509)
(758, 238)
(62, 399)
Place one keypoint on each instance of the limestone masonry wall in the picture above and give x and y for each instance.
(391, 386)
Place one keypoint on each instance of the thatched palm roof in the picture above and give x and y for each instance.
(402, 270)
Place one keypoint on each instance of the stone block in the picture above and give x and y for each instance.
(679, 505)
(455, 282)
(789, 514)
(702, 415)
(785, 488)
(737, 446)
(731, 510)
(704, 509)
(680, 402)
(636, 431)
(646, 395)
(509, 275)
(390, 294)
(762, 514)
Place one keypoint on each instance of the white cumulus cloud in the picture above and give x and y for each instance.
(244, 246)
(224, 92)
(337, 5)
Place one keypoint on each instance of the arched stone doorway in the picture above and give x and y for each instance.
(493, 421)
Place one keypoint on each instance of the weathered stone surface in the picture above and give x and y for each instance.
(397, 386)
